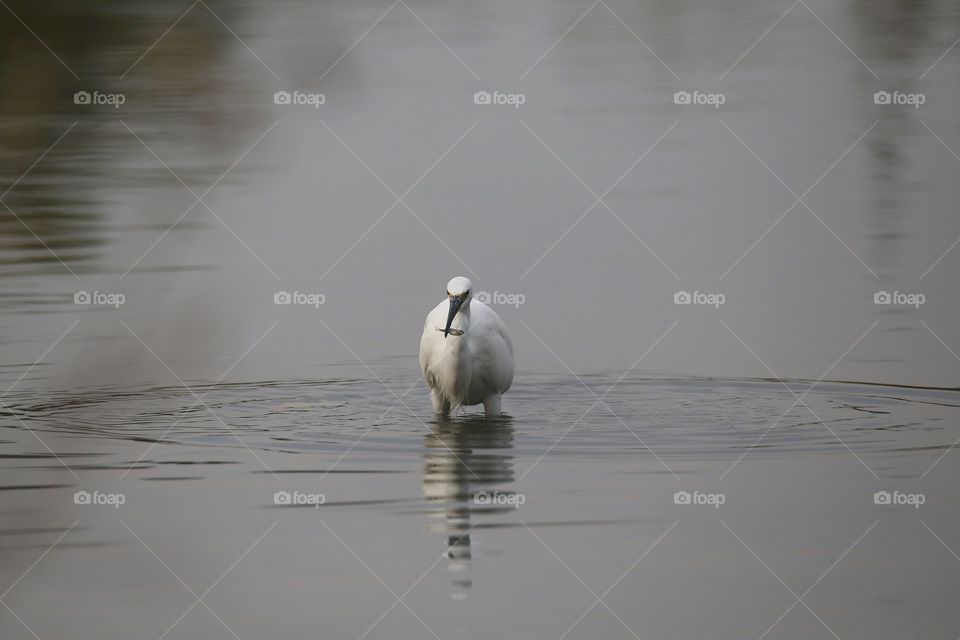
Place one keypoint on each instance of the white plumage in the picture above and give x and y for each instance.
(465, 352)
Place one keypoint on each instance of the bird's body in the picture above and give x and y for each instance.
(466, 354)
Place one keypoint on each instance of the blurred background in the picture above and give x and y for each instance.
(297, 201)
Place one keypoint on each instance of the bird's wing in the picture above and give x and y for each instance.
(491, 348)
(427, 341)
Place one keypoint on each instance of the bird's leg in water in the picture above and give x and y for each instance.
(440, 404)
(491, 406)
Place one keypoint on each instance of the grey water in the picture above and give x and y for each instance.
(184, 456)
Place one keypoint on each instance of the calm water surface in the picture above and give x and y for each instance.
(811, 429)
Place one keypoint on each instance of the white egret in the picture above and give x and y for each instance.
(465, 352)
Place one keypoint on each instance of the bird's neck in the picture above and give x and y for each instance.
(458, 361)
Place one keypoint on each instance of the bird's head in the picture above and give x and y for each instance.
(459, 291)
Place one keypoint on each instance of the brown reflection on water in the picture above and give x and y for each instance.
(895, 36)
(64, 166)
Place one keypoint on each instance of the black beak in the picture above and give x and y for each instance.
(455, 303)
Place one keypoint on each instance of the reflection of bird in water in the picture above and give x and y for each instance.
(458, 462)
